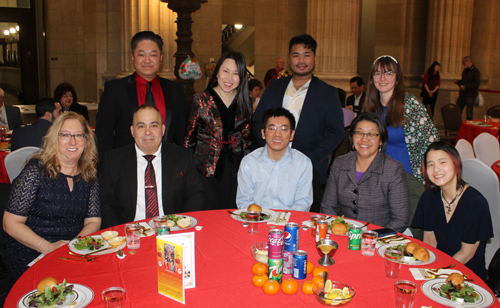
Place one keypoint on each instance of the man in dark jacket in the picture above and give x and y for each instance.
(469, 86)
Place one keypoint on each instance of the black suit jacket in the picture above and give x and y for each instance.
(350, 102)
(80, 109)
(182, 190)
(118, 104)
(321, 125)
(30, 136)
(13, 116)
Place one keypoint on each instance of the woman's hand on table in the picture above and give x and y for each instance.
(47, 247)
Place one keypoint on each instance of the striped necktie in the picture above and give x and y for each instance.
(150, 188)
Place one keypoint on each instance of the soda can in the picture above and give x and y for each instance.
(291, 236)
(275, 269)
(299, 264)
(354, 238)
(276, 244)
(287, 262)
(321, 230)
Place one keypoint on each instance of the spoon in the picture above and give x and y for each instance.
(325, 278)
(366, 224)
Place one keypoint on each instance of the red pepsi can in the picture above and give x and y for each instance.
(292, 236)
(276, 244)
(299, 264)
(287, 262)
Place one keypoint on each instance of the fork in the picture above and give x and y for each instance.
(81, 256)
(429, 275)
(438, 269)
(284, 217)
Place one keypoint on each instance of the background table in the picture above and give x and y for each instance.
(470, 131)
(223, 271)
(4, 176)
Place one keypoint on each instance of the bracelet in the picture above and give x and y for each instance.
(38, 249)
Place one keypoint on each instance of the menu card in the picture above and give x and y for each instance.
(176, 264)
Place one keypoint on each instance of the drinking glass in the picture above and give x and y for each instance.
(114, 297)
(405, 293)
(253, 221)
(368, 242)
(392, 261)
(133, 233)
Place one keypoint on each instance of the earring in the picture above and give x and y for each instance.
(379, 148)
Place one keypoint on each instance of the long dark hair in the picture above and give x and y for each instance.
(242, 97)
(395, 106)
(430, 71)
(455, 158)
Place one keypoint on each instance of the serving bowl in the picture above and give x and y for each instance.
(259, 251)
(339, 300)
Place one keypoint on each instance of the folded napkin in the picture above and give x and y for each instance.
(147, 229)
(417, 275)
(283, 221)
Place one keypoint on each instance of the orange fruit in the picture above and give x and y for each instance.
(289, 286)
(259, 280)
(271, 287)
(310, 267)
(319, 270)
(318, 279)
(259, 268)
(307, 287)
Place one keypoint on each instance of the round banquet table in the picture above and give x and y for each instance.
(223, 270)
(469, 131)
(496, 168)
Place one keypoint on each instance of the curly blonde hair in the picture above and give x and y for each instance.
(47, 155)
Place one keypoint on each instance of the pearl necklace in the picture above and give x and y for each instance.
(450, 204)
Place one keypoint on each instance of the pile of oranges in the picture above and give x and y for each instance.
(288, 286)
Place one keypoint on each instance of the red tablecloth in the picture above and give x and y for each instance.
(496, 167)
(470, 131)
(223, 271)
(4, 177)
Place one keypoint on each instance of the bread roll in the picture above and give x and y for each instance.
(421, 254)
(48, 281)
(254, 207)
(117, 241)
(107, 235)
(410, 247)
(455, 278)
(184, 222)
(339, 228)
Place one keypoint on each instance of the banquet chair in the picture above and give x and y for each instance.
(452, 118)
(486, 148)
(484, 179)
(465, 150)
(494, 111)
(14, 161)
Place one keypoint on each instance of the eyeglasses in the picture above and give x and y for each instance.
(274, 128)
(79, 137)
(387, 74)
(370, 136)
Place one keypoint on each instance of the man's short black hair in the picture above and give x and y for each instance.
(252, 83)
(357, 80)
(146, 35)
(275, 113)
(46, 104)
(305, 39)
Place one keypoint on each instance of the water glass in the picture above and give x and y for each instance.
(133, 233)
(253, 221)
(405, 293)
(114, 297)
(368, 242)
(392, 261)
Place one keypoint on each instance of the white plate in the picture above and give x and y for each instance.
(352, 222)
(272, 213)
(85, 251)
(407, 261)
(83, 296)
(486, 299)
(194, 222)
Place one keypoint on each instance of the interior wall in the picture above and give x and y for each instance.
(366, 37)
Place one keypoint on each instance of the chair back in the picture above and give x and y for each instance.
(465, 150)
(348, 117)
(452, 118)
(416, 190)
(494, 111)
(486, 148)
(14, 161)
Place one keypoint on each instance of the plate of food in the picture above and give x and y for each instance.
(266, 215)
(340, 226)
(413, 253)
(61, 295)
(455, 292)
(175, 222)
(88, 244)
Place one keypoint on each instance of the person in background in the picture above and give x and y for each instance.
(469, 86)
(47, 110)
(255, 87)
(356, 100)
(409, 127)
(219, 130)
(56, 196)
(10, 116)
(65, 94)
(431, 84)
(455, 216)
(274, 73)
(276, 176)
(367, 184)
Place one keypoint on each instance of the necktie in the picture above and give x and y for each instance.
(150, 188)
(150, 99)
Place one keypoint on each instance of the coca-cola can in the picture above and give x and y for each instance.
(287, 262)
(276, 244)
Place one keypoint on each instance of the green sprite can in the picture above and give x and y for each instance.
(275, 269)
(354, 238)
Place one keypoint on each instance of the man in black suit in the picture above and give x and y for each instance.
(122, 97)
(315, 105)
(356, 100)
(47, 110)
(10, 116)
(124, 185)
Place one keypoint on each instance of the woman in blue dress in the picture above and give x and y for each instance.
(56, 196)
(455, 216)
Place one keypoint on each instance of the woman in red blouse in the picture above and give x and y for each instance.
(431, 84)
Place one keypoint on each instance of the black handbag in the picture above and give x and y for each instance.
(493, 280)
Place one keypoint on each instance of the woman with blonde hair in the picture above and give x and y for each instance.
(56, 196)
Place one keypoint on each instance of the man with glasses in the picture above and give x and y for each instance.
(469, 86)
(355, 101)
(276, 176)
